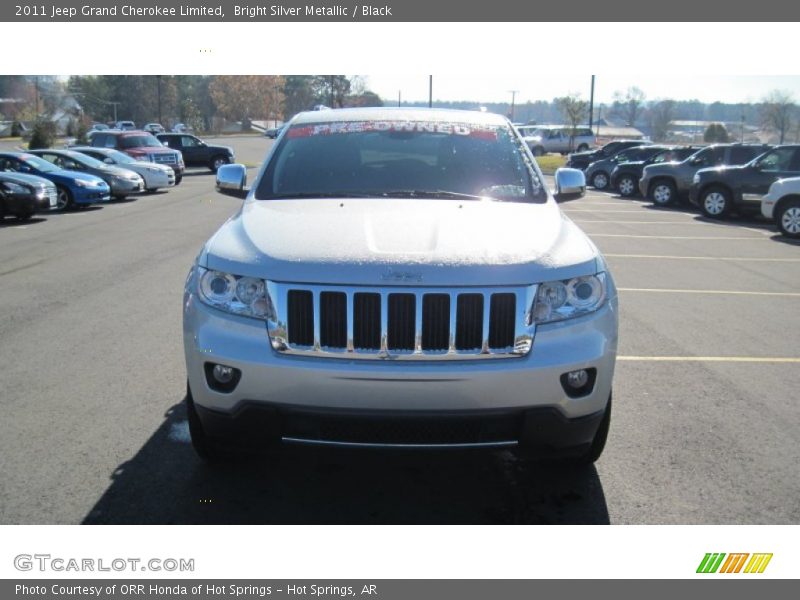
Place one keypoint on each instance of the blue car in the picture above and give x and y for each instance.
(73, 188)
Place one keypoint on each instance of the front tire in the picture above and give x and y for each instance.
(627, 186)
(217, 162)
(600, 180)
(715, 202)
(64, 199)
(788, 219)
(178, 179)
(663, 192)
(583, 148)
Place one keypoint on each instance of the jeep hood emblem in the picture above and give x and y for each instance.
(392, 275)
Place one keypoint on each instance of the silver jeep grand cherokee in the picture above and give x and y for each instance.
(400, 278)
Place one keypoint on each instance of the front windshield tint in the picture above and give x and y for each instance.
(119, 157)
(39, 164)
(89, 161)
(139, 141)
(401, 158)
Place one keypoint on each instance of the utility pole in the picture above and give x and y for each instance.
(591, 103)
(599, 118)
(158, 85)
(36, 94)
(398, 98)
(513, 97)
(430, 91)
(742, 129)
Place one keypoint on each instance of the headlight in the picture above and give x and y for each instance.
(83, 183)
(246, 296)
(145, 158)
(559, 300)
(15, 188)
(696, 178)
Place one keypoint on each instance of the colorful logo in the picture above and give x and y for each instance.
(734, 563)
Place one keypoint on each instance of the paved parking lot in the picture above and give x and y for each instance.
(706, 425)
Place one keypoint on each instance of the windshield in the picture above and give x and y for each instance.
(119, 157)
(39, 164)
(401, 159)
(86, 160)
(139, 141)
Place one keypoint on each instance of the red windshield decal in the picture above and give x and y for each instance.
(485, 132)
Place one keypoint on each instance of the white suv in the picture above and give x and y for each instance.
(782, 204)
(543, 139)
(400, 278)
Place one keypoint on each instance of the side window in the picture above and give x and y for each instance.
(741, 155)
(717, 156)
(777, 160)
(188, 141)
(110, 141)
(794, 167)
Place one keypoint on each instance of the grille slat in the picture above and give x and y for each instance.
(408, 323)
(367, 321)
(402, 311)
(333, 319)
(435, 321)
(301, 317)
(502, 321)
(469, 322)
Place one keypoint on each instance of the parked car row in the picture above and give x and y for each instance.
(720, 180)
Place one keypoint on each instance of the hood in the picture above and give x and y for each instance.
(150, 150)
(78, 175)
(23, 178)
(143, 164)
(119, 171)
(720, 170)
(587, 154)
(400, 242)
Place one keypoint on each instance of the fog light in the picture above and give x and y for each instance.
(575, 379)
(222, 378)
(579, 382)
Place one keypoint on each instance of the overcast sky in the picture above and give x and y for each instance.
(723, 88)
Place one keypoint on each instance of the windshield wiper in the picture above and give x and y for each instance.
(429, 194)
(319, 195)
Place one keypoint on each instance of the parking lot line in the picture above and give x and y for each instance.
(630, 211)
(731, 292)
(676, 237)
(723, 258)
(735, 359)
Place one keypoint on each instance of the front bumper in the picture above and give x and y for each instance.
(23, 204)
(127, 187)
(272, 383)
(91, 195)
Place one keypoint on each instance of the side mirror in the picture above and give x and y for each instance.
(232, 181)
(570, 183)
(108, 160)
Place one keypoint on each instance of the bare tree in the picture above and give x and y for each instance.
(661, 116)
(574, 111)
(628, 106)
(777, 112)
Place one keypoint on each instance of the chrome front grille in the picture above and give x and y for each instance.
(166, 158)
(401, 323)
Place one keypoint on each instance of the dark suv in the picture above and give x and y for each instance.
(625, 176)
(141, 146)
(581, 160)
(665, 183)
(196, 152)
(721, 191)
